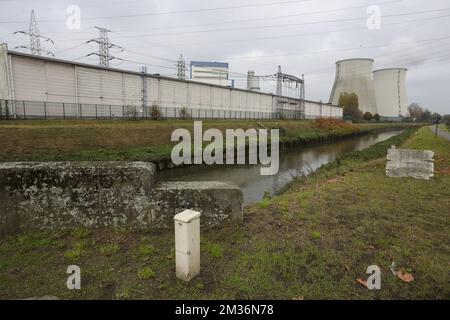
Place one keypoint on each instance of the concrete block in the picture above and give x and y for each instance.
(72, 194)
(418, 164)
(187, 244)
(216, 201)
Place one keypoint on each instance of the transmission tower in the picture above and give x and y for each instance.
(181, 68)
(35, 38)
(104, 45)
(294, 85)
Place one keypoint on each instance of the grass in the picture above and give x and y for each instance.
(312, 242)
(145, 273)
(54, 140)
(109, 249)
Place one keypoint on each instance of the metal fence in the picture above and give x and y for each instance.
(20, 109)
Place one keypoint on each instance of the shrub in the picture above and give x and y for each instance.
(367, 116)
(349, 101)
(331, 123)
(184, 113)
(377, 117)
(281, 115)
(155, 113)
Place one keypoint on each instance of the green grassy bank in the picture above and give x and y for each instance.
(311, 242)
(140, 140)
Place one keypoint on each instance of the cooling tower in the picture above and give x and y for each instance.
(390, 92)
(355, 76)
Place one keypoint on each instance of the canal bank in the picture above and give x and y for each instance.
(311, 242)
(148, 141)
(293, 162)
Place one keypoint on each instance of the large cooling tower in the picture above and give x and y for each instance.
(390, 92)
(355, 76)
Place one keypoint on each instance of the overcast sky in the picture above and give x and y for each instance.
(304, 37)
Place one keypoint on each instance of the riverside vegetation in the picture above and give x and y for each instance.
(311, 242)
(145, 140)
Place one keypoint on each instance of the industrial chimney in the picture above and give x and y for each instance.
(252, 81)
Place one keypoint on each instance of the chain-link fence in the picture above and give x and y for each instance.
(19, 109)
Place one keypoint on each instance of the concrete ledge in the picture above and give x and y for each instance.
(217, 201)
(55, 195)
(71, 194)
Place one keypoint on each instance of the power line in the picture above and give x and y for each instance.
(302, 34)
(277, 3)
(286, 24)
(246, 20)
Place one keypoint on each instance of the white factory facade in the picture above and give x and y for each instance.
(380, 92)
(36, 87)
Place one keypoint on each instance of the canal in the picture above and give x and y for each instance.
(293, 163)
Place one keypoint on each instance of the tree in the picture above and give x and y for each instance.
(421, 114)
(415, 111)
(367, 116)
(377, 117)
(446, 118)
(349, 101)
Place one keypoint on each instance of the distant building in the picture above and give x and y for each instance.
(210, 72)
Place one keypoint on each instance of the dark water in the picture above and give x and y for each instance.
(292, 163)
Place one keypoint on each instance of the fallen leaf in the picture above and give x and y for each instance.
(362, 282)
(405, 276)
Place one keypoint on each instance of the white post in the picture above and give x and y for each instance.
(187, 244)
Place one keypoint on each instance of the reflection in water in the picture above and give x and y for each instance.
(292, 163)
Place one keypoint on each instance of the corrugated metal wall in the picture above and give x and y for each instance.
(45, 84)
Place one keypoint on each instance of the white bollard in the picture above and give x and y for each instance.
(187, 244)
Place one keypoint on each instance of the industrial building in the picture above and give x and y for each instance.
(33, 86)
(380, 92)
(210, 72)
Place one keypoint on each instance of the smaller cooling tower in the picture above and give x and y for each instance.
(355, 76)
(390, 92)
(252, 81)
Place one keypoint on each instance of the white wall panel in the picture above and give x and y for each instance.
(29, 79)
(89, 85)
(181, 96)
(195, 95)
(61, 86)
(133, 86)
(111, 87)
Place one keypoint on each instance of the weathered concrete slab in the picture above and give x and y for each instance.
(55, 195)
(216, 201)
(70, 194)
(418, 164)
